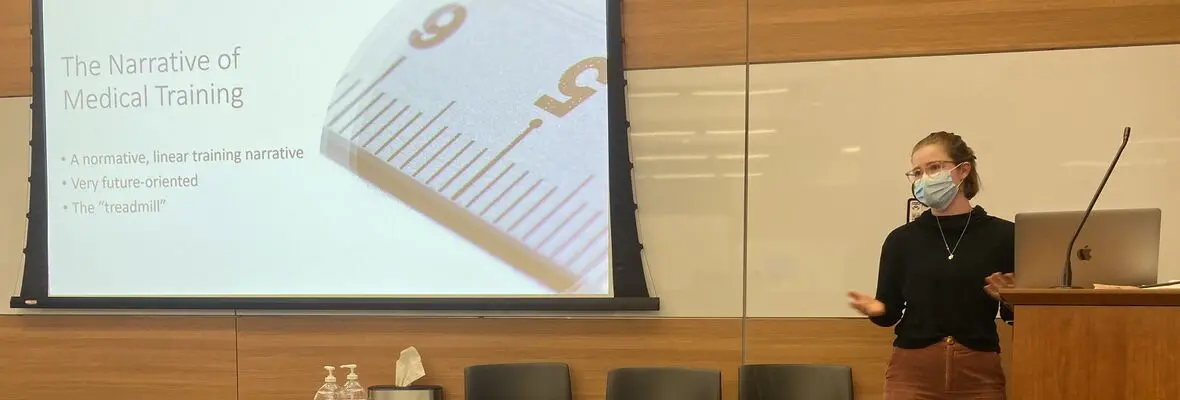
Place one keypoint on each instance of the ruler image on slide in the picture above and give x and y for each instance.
(490, 117)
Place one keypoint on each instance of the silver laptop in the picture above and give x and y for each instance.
(1117, 247)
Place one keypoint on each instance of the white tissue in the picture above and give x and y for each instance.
(409, 367)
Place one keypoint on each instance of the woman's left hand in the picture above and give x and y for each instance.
(998, 281)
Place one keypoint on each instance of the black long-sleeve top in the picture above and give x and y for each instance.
(935, 297)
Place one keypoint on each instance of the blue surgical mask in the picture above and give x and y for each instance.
(936, 191)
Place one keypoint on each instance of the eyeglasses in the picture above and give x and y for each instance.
(930, 168)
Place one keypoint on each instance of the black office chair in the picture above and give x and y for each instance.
(663, 384)
(794, 382)
(518, 381)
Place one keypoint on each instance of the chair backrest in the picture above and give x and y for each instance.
(663, 384)
(794, 382)
(518, 381)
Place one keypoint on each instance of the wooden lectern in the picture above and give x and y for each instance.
(1110, 344)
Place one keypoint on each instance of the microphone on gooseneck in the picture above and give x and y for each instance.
(1067, 270)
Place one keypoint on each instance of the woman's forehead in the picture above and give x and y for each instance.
(928, 154)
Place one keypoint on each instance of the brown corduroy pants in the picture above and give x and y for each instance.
(944, 371)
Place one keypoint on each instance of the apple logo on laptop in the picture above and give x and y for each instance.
(1084, 253)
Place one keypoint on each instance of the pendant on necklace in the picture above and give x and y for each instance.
(950, 257)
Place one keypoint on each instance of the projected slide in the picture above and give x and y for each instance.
(320, 148)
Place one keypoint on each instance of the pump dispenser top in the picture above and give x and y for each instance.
(330, 378)
(352, 390)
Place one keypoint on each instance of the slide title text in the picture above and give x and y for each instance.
(147, 95)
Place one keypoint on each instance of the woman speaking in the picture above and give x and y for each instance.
(938, 282)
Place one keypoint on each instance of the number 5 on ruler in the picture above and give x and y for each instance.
(569, 87)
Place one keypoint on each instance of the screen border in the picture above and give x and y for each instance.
(629, 277)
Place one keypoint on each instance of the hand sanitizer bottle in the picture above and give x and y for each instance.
(329, 390)
(352, 387)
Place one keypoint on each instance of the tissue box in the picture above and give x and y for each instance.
(415, 392)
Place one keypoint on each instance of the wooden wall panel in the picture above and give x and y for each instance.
(838, 29)
(854, 342)
(659, 34)
(117, 357)
(16, 45)
(679, 33)
(1122, 352)
(684, 33)
(281, 357)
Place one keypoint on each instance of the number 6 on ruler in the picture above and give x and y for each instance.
(433, 31)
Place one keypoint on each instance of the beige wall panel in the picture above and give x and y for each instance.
(1044, 126)
(281, 357)
(840, 29)
(109, 358)
(15, 132)
(687, 144)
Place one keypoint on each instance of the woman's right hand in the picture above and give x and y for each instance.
(866, 304)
